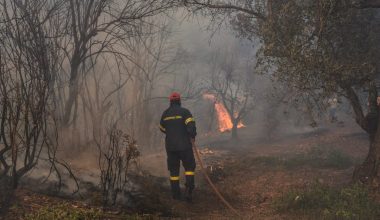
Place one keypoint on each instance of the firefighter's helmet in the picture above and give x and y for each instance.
(175, 96)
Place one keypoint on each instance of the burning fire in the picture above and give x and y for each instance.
(224, 119)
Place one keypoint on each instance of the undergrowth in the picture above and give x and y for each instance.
(68, 212)
(64, 212)
(319, 157)
(316, 157)
(323, 202)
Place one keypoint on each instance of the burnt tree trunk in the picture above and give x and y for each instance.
(234, 134)
(73, 94)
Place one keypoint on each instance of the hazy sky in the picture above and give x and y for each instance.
(193, 35)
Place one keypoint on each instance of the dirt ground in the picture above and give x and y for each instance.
(249, 187)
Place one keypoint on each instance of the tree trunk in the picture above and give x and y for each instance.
(234, 134)
(212, 117)
(14, 178)
(73, 93)
(97, 123)
(368, 172)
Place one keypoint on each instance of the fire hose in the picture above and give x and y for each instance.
(212, 185)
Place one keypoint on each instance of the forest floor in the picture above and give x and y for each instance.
(298, 176)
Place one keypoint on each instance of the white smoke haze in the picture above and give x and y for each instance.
(127, 90)
(188, 51)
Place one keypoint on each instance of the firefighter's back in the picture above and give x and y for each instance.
(177, 137)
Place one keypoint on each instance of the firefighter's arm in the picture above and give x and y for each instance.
(162, 125)
(190, 125)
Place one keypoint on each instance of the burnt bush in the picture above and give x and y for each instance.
(115, 159)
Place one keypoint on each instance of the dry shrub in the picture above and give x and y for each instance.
(115, 159)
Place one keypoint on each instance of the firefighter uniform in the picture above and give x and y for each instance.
(179, 126)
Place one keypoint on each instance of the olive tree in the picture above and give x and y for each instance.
(317, 48)
(231, 84)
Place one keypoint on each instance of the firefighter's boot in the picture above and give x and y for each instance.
(176, 191)
(189, 195)
(189, 186)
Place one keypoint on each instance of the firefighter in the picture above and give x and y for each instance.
(179, 126)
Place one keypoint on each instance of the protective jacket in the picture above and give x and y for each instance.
(179, 126)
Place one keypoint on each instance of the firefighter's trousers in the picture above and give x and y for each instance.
(188, 162)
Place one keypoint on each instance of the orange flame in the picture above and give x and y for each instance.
(224, 119)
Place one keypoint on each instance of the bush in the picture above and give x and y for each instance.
(115, 160)
(353, 202)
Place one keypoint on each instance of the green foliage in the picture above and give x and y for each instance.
(319, 46)
(316, 49)
(353, 202)
(320, 157)
(316, 157)
(64, 212)
(338, 160)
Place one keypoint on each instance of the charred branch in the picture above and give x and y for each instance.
(224, 7)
